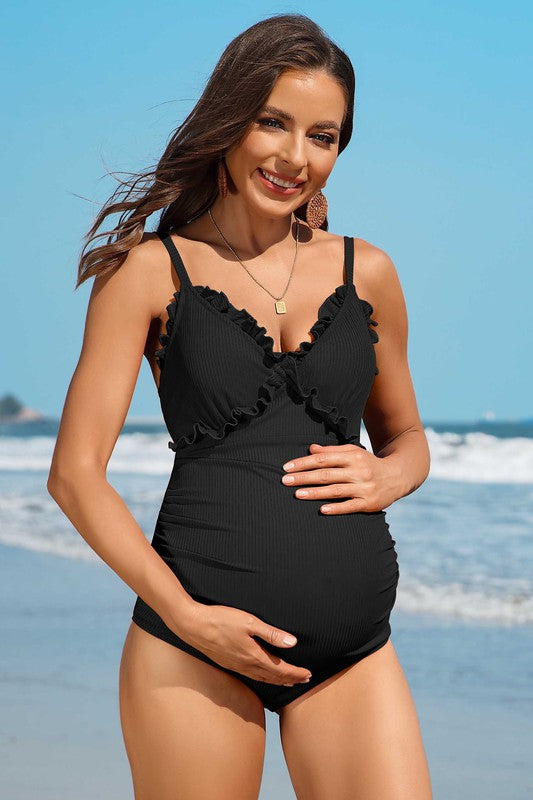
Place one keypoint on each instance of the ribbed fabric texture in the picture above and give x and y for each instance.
(233, 534)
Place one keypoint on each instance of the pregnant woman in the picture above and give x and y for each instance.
(271, 574)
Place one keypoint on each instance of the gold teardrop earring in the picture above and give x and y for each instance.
(317, 209)
(222, 175)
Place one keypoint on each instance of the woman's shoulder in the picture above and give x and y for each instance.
(147, 274)
(374, 274)
(372, 264)
(373, 268)
(377, 281)
(150, 258)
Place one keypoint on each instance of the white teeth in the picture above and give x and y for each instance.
(278, 182)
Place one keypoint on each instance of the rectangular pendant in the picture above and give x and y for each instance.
(280, 307)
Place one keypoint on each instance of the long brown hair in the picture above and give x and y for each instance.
(184, 182)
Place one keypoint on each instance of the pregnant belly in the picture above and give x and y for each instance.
(235, 535)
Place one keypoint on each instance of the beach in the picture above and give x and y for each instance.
(60, 733)
(462, 625)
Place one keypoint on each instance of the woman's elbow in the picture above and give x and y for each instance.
(66, 477)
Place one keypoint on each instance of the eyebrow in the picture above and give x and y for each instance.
(327, 123)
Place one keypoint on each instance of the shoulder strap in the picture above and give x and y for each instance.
(348, 258)
(176, 259)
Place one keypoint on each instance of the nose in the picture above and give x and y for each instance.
(292, 151)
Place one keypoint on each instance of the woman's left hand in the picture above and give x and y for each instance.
(367, 482)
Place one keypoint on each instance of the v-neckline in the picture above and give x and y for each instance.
(259, 334)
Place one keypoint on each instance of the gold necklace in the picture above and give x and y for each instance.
(279, 304)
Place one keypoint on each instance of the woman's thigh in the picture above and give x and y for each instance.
(357, 736)
(190, 729)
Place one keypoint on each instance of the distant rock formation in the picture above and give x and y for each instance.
(12, 410)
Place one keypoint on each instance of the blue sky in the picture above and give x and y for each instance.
(438, 173)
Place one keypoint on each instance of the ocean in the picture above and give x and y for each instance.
(462, 625)
(464, 538)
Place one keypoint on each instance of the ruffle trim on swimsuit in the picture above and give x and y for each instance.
(249, 324)
(326, 314)
(282, 372)
(264, 398)
(164, 338)
(241, 317)
(329, 413)
(368, 310)
(285, 364)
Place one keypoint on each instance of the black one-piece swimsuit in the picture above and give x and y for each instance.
(229, 529)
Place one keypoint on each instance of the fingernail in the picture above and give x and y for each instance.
(288, 684)
(288, 465)
(289, 640)
(306, 680)
(288, 478)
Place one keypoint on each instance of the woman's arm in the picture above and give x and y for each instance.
(391, 416)
(121, 307)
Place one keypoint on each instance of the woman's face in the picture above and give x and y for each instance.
(295, 138)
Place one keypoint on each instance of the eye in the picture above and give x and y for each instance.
(327, 138)
(265, 120)
(271, 122)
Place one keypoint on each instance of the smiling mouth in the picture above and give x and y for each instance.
(279, 182)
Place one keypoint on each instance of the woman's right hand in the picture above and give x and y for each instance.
(225, 634)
